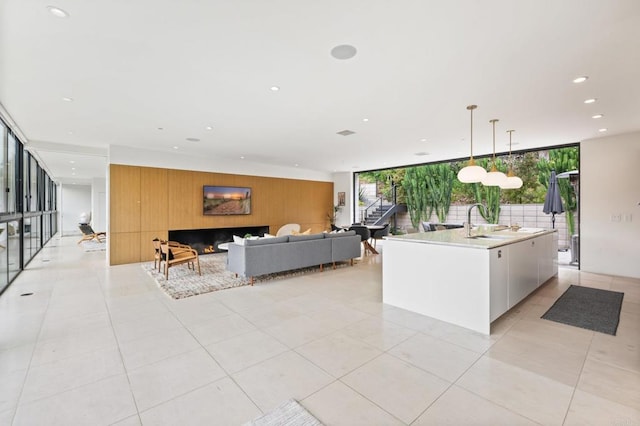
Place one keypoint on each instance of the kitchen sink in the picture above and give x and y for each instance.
(491, 237)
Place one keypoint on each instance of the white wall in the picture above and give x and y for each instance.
(610, 189)
(343, 182)
(99, 204)
(74, 200)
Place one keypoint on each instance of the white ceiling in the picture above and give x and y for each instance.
(134, 66)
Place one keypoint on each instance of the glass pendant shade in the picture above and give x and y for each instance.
(471, 173)
(512, 181)
(494, 178)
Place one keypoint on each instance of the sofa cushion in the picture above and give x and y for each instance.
(263, 241)
(339, 234)
(294, 238)
(238, 240)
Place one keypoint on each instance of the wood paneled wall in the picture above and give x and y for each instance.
(147, 202)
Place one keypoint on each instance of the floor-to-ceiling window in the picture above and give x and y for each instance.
(28, 206)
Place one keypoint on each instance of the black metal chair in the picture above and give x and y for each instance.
(379, 233)
(365, 235)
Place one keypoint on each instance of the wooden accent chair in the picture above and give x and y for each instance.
(177, 256)
(89, 234)
(288, 229)
(159, 257)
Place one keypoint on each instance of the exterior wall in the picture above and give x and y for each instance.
(524, 215)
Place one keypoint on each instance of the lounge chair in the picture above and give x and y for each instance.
(89, 234)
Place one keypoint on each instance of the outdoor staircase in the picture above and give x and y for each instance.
(382, 214)
(380, 211)
(374, 216)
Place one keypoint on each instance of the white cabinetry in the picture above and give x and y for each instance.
(499, 279)
(464, 281)
(548, 257)
(523, 270)
(545, 262)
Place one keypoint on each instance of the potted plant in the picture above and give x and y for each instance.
(332, 216)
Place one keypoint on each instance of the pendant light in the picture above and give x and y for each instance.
(471, 173)
(494, 177)
(512, 181)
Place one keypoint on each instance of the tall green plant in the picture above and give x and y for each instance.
(562, 160)
(488, 195)
(439, 183)
(416, 194)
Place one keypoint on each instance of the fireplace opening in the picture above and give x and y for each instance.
(206, 241)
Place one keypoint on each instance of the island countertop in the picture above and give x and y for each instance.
(469, 282)
(480, 240)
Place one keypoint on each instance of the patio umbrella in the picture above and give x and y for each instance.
(552, 201)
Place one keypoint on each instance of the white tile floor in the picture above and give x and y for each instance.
(98, 345)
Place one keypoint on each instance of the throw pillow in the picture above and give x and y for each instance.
(238, 240)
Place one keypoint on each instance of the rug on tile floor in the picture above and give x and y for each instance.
(289, 413)
(93, 245)
(586, 307)
(184, 282)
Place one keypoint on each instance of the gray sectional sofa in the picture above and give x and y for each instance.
(278, 254)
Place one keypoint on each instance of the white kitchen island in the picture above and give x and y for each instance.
(469, 282)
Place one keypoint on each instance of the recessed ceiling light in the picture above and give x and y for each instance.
(175, 147)
(365, 119)
(72, 162)
(73, 174)
(57, 12)
(580, 79)
(296, 165)
(590, 101)
(73, 168)
(274, 88)
(597, 116)
(423, 140)
(67, 99)
(603, 129)
(242, 157)
(70, 132)
(193, 139)
(344, 51)
(209, 127)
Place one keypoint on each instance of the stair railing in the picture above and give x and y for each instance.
(378, 204)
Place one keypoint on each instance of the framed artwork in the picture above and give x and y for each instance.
(341, 198)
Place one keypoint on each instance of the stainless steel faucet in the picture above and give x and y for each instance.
(468, 224)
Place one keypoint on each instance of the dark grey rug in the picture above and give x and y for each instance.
(590, 308)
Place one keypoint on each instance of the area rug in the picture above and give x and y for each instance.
(289, 413)
(184, 282)
(93, 245)
(586, 307)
